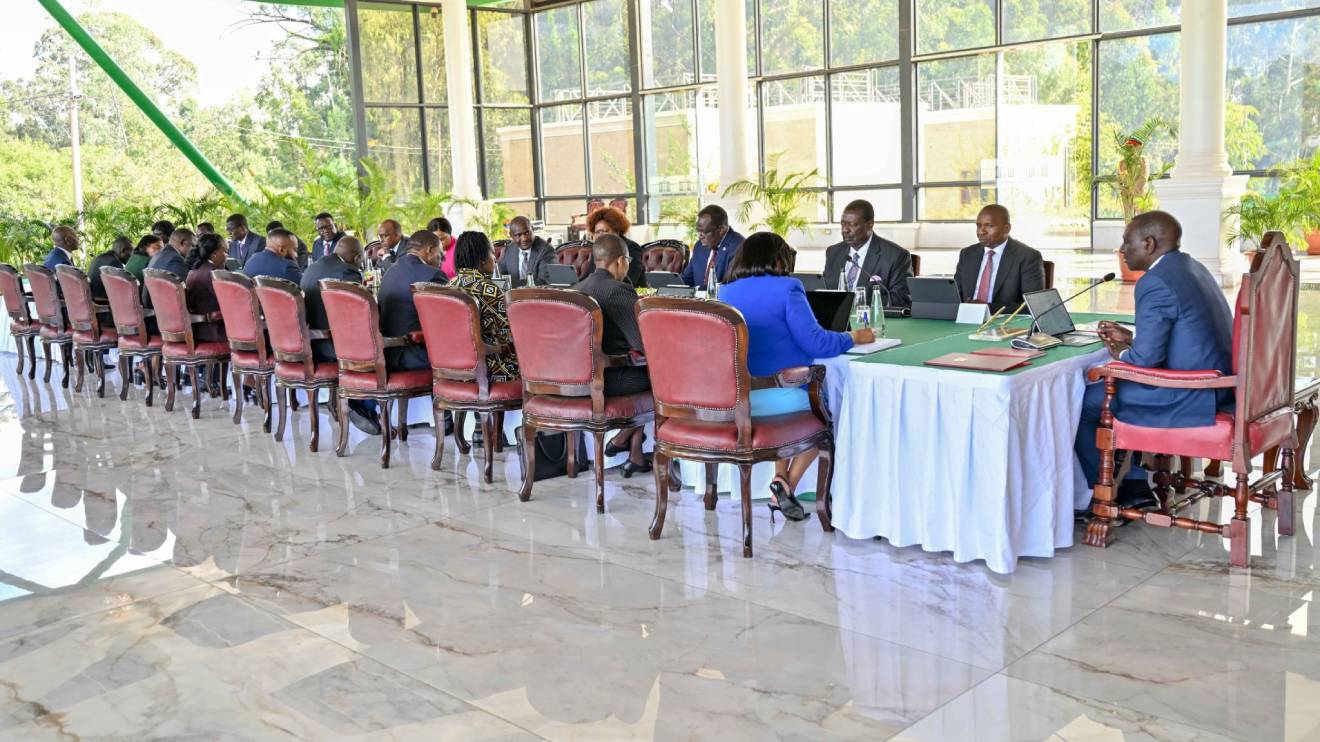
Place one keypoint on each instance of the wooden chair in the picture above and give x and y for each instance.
(1264, 359)
(249, 355)
(451, 325)
(355, 329)
(135, 339)
(180, 348)
(712, 422)
(576, 254)
(295, 365)
(558, 337)
(21, 326)
(498, 247)
(670, 256)
(1049, 273)
(916, 264)
(90, 339)
(50, 312)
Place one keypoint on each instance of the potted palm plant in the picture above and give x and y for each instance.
(782, 198)
(1133, 177)
(1300, 188)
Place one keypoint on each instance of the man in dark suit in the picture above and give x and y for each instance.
(881, 262)
(532, 255)
(243, 243)
(715, 248)
(115, 257)
(329, 232)
(390, 234)
(163, 229)
(998, 269)
(1184, 324)
(398, 314)
(277, 259)
(64, 242)
(303, 252)
(170, 258)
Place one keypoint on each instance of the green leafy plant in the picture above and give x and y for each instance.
(1293, 209)
(1133, 175)
(783, 197)
(490, 217)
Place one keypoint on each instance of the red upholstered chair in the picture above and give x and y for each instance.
(576, 254)
(249, 355)
(916, 264)
(21, 326)
(670, 256)
(90, 339)
(50, 312)
(1264, 359)
(295, 366)
(711, 422)
(180, 348)
(497, 247)
(451, 325)
(135, 343)
(1049, 273)
(355, 328)
(558, 336)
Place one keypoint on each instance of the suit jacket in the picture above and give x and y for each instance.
(618, 302)
(251, 245)
(885, 259)
(1183, 323)
(390, 257)
(168, 259)
(331, 266)
(106, 259)
(200, 292)
(320, 248)
(1021, 271)
(636, 268)
(56, 257)
(398, 314)
(696, 266)
(540, 255)
(267, 263)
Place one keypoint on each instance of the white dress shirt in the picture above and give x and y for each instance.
(994, 269)
(859, 254)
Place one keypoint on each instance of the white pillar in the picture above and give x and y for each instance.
(462, 111)
(737, 157)
(1203, 186)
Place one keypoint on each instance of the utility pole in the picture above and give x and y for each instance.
(75, 101)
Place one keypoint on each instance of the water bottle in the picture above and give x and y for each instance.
(712, 285)
(861, 309)
(878, 312)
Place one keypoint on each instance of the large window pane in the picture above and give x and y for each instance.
(606, 24)
(1123, 15)
(795, 125)
(863, 31)
(954, 24)
(610, 126)
(1025, 20)
(1240, 8)
(434, 84)
(962, 202)
(668, 48)
(956, 119)
(558, 55)
(865, 122)
(564, 212)
(706, 39)
(1273, 108)
(563, 150)
(440, 152)
(394, 142)
(887, 203)
(1138, 84)
(503, 58)
(792, 36)
(389, 56)
(507, 145)
(682, 135)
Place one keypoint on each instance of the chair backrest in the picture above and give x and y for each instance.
(78, 299)
(451, 324)
(497, 248)
(665, 255)
(354, 318)
(576, 254)
(121, 288)
(11, 286)
(169, 299)
(286, 322)
(1049, 273)
(916, 264)
(241, 311)
(669, 325)
(558, 336)
(44, 295)
(1265, 342)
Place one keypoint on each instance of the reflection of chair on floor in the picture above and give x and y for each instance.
(1264, 359)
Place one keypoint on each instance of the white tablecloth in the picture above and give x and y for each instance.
(979, 465)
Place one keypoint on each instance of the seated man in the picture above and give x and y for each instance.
(303, 252)
(532, 254)
(329, 233)
(340, 265)
(998, 269)
(170, 258)
(64, 241)
(398, 314)
(864, 258)
(717, 243)
(243, 242)
(277, 259)
(115, 257)
(1183, 323)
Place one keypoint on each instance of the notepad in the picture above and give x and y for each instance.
(869, 348)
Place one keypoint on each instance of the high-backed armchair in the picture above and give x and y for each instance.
(180, 348)
(90, 339)
(21, 325)
(670, 256)
(576, 254)
(295, 366)
(50, 311)
(136, 342)
(249, 355)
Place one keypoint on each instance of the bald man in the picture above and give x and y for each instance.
(531, 255)
(279, 259)
(64, 243)
(1183, 323)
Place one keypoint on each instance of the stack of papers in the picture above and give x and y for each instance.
(879, 344)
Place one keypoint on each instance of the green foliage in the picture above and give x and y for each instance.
(783, 198)
(491, 217)
(23, 240)
(1293, 209)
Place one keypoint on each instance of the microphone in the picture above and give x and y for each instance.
(1094, 282)
(876, 281)
(1042, 341)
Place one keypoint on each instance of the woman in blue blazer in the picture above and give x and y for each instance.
(782, 333)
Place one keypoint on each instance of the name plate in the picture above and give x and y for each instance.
(972, 314)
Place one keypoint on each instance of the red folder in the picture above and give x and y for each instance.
(1020, 353)
(978, 362)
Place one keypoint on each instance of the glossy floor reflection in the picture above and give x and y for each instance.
(162, 577)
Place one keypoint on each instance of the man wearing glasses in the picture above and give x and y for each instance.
(715, 248)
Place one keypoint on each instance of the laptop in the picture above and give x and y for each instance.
(557, 274)
(811, 281)
(1052, 318)
(660, 279)
(934, 297)
(504, 282)
(682, 291)
(833, 309)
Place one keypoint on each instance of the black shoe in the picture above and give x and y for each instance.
(629, 468)
(1136, 493)
(363, 420)
(787, 502)
(610, 449)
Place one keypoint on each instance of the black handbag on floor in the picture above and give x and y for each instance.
(552, 454)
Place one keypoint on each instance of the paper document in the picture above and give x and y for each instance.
(879, 344)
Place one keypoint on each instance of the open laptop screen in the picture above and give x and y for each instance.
(1057, 321)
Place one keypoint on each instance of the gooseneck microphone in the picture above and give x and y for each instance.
(1097, 282)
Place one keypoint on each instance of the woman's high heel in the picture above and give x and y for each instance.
(612, 450)
(787, 502)
(629, 468)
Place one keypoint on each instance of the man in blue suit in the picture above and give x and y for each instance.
(170, 258)
(1184, 324)
(243, 243)
(715, 248)
(277, 259)
(329, 232)
(64, 241)
(398, 314)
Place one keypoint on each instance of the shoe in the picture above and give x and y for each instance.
(1136, 493)
(787, 502)
(610, 449)
(629, 468)
(368, 424)
(449, 423)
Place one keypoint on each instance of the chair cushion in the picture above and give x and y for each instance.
(395, 381)
(84, 337)
(134, 342)
(249, 361)
(466, 391)
(49, 332)
(767, 432)
(579, 408)
(213, 349)
(291, 371)
(22, 327)
(1209, 441)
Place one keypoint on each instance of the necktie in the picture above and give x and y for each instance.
(852, 271)
(710, 265)
(522, 263)
(983, 288)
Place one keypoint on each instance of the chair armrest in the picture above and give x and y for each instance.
(789, 378)
(412, 338)
(318, 334)
(1163, 377)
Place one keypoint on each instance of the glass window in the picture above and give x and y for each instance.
(610, 126)
(507, 146)
(792, 36)
(887, 202)
(1239, 8)
(961, 202)
(394, 142)
(563, 150)
(1138, 84)
(564, 212)
(558, 55)
(956, 119)
(1273, 107)
(434, 84)
(682, 157)
(503, 57)
(1025, 20)
(439, 150)
(1124, 15)
(389, 56)
(954, 24)
(605, 24)
(794, 123)
(667, 46)
(706, 39)
(863, 31)
(866, 120)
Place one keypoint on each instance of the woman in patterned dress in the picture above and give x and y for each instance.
(474, 261)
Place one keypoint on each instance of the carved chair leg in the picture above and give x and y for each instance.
(66, 363)
(264, 391)
(149, 375)
(314, 407)
(45, 353)
(19, 340)
(198, 381)
(81, 364)
(1185, 466)
(824, 475)
(745, 486)
(1099, 532)
(498, 426)
(282, 396)
(171, 379)
(1239, 529)
(487, 442)
(661, 464)
(100, 374)
(238, 398)
(224, 384)
(599, 436)
(1284, 501)
(1163, 477)
(332, 405)
(460, 435)
(712, 486)
(125, 376)
(385, 432)
(32, 356)
(438, 414)
(1305, 427)
(403, 419)
(570, 443)
(528, 459)
(342, 447)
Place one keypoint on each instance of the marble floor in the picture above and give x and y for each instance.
(166, 578)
